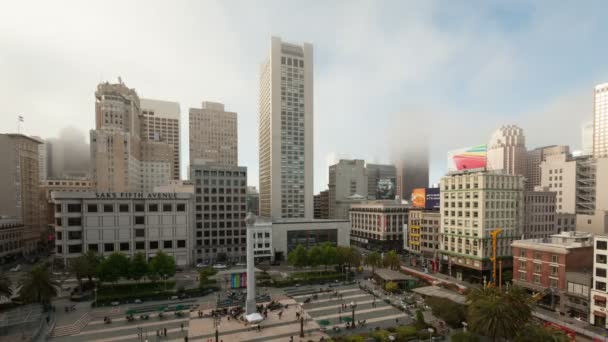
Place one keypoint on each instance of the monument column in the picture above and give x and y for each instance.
(250, 305)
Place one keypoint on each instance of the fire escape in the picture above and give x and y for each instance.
(585, 186)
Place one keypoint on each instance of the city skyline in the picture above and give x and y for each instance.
(389, 95)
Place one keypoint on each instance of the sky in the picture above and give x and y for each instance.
(388, 75)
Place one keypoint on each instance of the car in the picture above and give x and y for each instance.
(16, 268)
(201, 265)
(219, 266)
(241, 264)
(137, 301)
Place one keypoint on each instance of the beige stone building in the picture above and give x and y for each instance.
(213, 135)
(423, 232)
(474, 204)
(600, 121)
(507, 150)
(347, 178)
(11, 237)
(161, 122)
(539, 214)
(378, 225)
(286, 131)
(156, 164)
(19, 181)
(535, 157)
(558, 173)
(176, 186)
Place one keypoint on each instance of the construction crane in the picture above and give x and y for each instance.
(494, 235)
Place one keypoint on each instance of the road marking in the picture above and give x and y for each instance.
(134, 326)
(336, 298)
(338, 306)
(135, 336)
(344, 314)
(324, 293)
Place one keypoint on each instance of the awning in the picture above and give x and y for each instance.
(254, 318)
(599, 298)
(599, 313)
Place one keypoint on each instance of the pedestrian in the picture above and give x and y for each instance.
(165, 332)
(340, 318)
(182, 326)
(157, 333)
(48, 319)
(185, 338)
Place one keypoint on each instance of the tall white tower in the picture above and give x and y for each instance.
(286, 131)
(507, 150)
(600, 121)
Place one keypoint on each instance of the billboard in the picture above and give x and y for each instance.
(427, 198)
(386, 188)
(467, 158)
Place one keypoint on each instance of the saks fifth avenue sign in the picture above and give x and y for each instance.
(136, 195)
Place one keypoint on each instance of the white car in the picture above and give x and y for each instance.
(219, 266)
(201, 265)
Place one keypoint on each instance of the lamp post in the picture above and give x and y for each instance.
(464, 326)
(301, 319)
(95, 290)
(430, 330)
(216, 323)
(353, 306)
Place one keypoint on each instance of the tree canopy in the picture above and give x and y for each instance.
(37, 285)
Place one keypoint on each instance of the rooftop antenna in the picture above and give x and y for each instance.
(19, 121)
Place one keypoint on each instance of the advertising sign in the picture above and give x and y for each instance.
(386, 188)
(419, 197)
(467, 158)
(431, 198)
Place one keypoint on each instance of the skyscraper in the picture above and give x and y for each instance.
(507, 150)
(213, 135)
(115, 142)
(347, 178)
(412, 173)
(600, 121)
(161, 122)
(379, 173)
(535, 157)
(587, 137)
(286, 131)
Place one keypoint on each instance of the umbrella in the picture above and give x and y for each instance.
(254, 318)
(131, 312)
(347, 319)
(161, 308)
(324, 322)
(179, 307)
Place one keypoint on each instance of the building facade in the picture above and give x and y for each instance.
(346, 178)
(286, 131)
(11, 238)
(253, 200)
(565, 222)
(378, 225)
(423, 232)
(412, 172)
(533, 160)
(160, 121)
(539, 214)
(376, 173)
(220, 210)
(213, 135)
(473, 205)
(157, 168)
(599, 292)
(19, 181)
(600, 121)
(507, 150)
(321, 205)
(543, 265)
(129, 223)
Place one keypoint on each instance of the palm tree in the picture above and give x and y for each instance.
(537, 333)
(373, 259)
(496, 314)
(5, 286)
(37, 285)
(391, 260)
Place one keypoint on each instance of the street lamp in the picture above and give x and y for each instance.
(464, 326)
(301, 320)
(431, 333)
(353, 306)
(216, 323)
(95, 290)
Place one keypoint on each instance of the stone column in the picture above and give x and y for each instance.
(250, 304)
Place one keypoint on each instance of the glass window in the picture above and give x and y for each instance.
(168, 244)
(167, 207)
(108, 247)
(108, 208)
(600, 272)
(139, 220)
(153, 244)
(139, 207)
(124, 246)
(153, 207)
(603, 245)
(93, 247)
(140, 233)
(123, 208)
(181, 243)
(74, 208)
(139, 245)
(181, 207)
(74, 221)
(92, 208)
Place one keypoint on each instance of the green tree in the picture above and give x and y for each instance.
(391, 286)
(79, 266)
(405, 333)
(537, 333)
(452, 313)
(204, 275)
(353, 257)
(112, 268)
(373, 259)
(498, 314)
(329, 254)
(464, 336)
(391, 260)
(298, 257)
(419, 323)
(138, 266)
(93, 261)
(381, 335)
(162, 265)
(314, 256)
(5, 286)
(37, 285)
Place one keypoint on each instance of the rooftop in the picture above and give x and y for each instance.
(390, 275)
(563, 240)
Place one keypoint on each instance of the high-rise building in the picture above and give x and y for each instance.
(157, 169)
(321, 205)
(160, 121)
(558, 173)
(286, 131)
(115, 142)
(11, 238)
(473, 205)
(600, 121)
(377, 174)
(539, 214)
(378, 225)
(68, 155)
(587, 137)
(533, 160)
(221, 207)
(19, 181)
(43, 159)
(213, 135)
(599, 291)
(253, 200)
(507, 150)
(346, 178)
(412, 173)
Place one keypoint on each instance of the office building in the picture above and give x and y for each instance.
(43, 159)
(587, 137)
(346, 179)
(221, 207)
(559, 174)
(539, 214)
(176, 186)
(565, 222)
(157, 169)
(507, 150)
(253, 200)
(423, 233)
(559, 267)
(19, 181)
(473, 205)
(213, 135)
(600, 121)
(599, 291)
(378, 225)
(68, 155)
(11, 238)
(286, 131)
(321, 205)
(115, 142)
(377, 176)
(160, 121)
(412, 172)
(274, 239)
(107, 222)
(535, 157)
